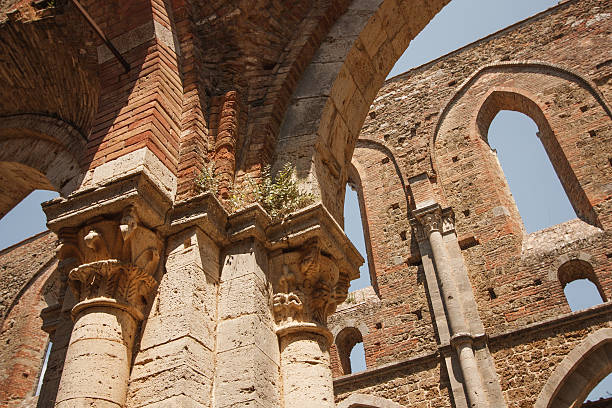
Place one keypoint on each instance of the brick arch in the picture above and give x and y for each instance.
(533, 66)
(345, 340)
(25, 352)
(551, 96)
(579, 372)
(49, 79)
(37, 152)
(575, 269)
(332, 97)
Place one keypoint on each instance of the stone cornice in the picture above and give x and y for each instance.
(315, 222)
(252, 222)
(249, 222)
(136, 190)
(203, 210)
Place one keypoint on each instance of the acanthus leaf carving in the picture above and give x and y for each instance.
(116, 262)
(431, 219)
(307, 286)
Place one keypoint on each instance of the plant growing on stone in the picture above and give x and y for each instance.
(206, 181)
(279, 195)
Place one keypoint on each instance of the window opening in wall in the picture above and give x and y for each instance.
(353, 228)
(582, 294)
(43, 370)
(349, 344)
(580, 284)
(536, 189)
(25, 219)
(601, 390)
(358, 358)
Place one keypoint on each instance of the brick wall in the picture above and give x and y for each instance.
(25, 270)
(433, 120)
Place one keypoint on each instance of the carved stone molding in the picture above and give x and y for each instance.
(114, 263)
(307, 287)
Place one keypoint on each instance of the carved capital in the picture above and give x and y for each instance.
(307, 287)
(114, 262)
(433, 218)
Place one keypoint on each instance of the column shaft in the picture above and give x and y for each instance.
(448, 288)
(305, 369)
(98, 359)
(469, 369)
(456, 320)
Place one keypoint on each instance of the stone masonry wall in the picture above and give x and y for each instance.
(433, 120)
(24, 271)
(427, 128)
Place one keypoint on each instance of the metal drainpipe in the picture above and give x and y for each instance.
(102, 36)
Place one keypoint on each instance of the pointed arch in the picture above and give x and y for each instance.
(579, 372)
(551, 96)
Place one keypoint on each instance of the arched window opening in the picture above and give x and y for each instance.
(602, 391)
(358, 362)
(349, 343)
(580, 284)
(43, 369)
(537, 191)
(353, 227)
(25, 219)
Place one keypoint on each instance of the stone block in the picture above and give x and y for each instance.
(179, 401)
(186, 288)
(193, 247)
(242, 296)
(161, 386)
(246, 258)
(183, 352)
(183, 322)
(246, 374)
(249, 330)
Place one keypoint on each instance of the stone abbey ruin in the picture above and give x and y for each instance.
(156, 289)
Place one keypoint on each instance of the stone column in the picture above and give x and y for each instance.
(308, 284)
(117, 262)
(434, 222)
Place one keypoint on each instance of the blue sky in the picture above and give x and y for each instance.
(459, 23)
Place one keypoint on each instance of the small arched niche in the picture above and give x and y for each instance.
(580, 284)
(347, 341)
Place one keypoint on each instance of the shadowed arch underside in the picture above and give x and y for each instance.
(37, 152)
